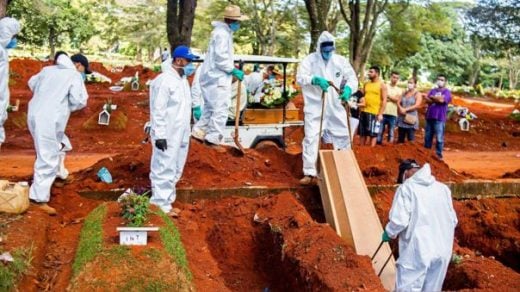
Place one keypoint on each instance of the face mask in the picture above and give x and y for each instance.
(411, 86)
(440, 83)
(326, 55)
(189, 69)
(84, 76)
(12, 44)
(234, 26)
(271, 77)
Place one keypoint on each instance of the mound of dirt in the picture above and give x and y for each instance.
(514, 174)
(268, 243)
(137, 268)
(491, 227)
(21, 70)
(478, 273)
(205, 168)
(380, 165)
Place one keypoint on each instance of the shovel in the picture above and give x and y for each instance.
(321, 123)
(347, 109)
(237, 118)
(387, 260)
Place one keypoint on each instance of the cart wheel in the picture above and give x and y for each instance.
(266, 144)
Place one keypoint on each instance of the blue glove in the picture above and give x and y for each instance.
(321, 82)
(385, 237)
(197, 112)
(347, 92)
(239, 74)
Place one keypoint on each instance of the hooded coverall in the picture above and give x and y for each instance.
(170, 114)
(58, 90)
(423, 217)
(9, 27)
(335, 127)
(215, 84)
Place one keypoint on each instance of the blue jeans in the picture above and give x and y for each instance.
(389, 121)
(434, 127)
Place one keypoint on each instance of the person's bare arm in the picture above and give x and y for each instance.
(418, 102)
(384, 93)
(400, 108)
(362, 102)
(394, 98)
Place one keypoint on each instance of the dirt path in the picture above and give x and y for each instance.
(488, 165)
(19, 164)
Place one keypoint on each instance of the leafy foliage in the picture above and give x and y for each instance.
(135, 209)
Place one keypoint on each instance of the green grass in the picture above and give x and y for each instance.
(118, 254)
(147, 285)
(90, 239)
(153, 254)
(10, 273)
(171, 239)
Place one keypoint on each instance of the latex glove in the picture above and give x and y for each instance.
(321, 82)
(347, 92)
(385, 237)
(161, 144)
(197, 112)
(239, 74)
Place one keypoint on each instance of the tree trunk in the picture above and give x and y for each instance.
(180, 15)
(318, 11)
(3, 8)
(362, 18)
(475, 67)
(415, 72)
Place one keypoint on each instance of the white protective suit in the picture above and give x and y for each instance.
(9, 27)
(215, 83)
(58, 90)
(255, 83)
(422, 216)
(335, 128)
(170, 114)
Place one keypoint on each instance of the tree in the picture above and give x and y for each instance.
(3, 7)
(363, 21)
(180, 16)
(321, 19)
(52, 22)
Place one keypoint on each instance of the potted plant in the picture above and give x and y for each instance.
(135, 209)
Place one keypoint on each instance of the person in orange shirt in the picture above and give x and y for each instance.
(372, 113)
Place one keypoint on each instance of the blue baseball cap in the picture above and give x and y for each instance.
(184, 52)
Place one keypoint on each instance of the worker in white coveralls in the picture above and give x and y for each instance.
(315, 74)
(170, 114)
(215, 79)
(9, 28)
(57, 90)
(423, 218)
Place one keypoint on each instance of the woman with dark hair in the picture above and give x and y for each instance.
(408, 118)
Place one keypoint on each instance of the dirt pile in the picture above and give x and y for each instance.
(379, 165)
(479, 273)
(205, 168)
(21, 70)
(269, 242)
(491, 227)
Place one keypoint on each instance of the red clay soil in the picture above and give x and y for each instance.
(489, 227)
(380, 164)
(479, 273)
(282, 250)
(514, 174)
(205, 168)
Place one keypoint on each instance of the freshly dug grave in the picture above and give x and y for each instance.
(205, 168)
(102, 264)
(269, 243)
(488, 227)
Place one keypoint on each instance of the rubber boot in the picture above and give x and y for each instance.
(63, 173)
(46, 208)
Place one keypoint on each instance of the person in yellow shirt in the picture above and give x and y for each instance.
(372, 113)
(390, 114)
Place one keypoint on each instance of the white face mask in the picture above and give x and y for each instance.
(411, 86)
(440, 83)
